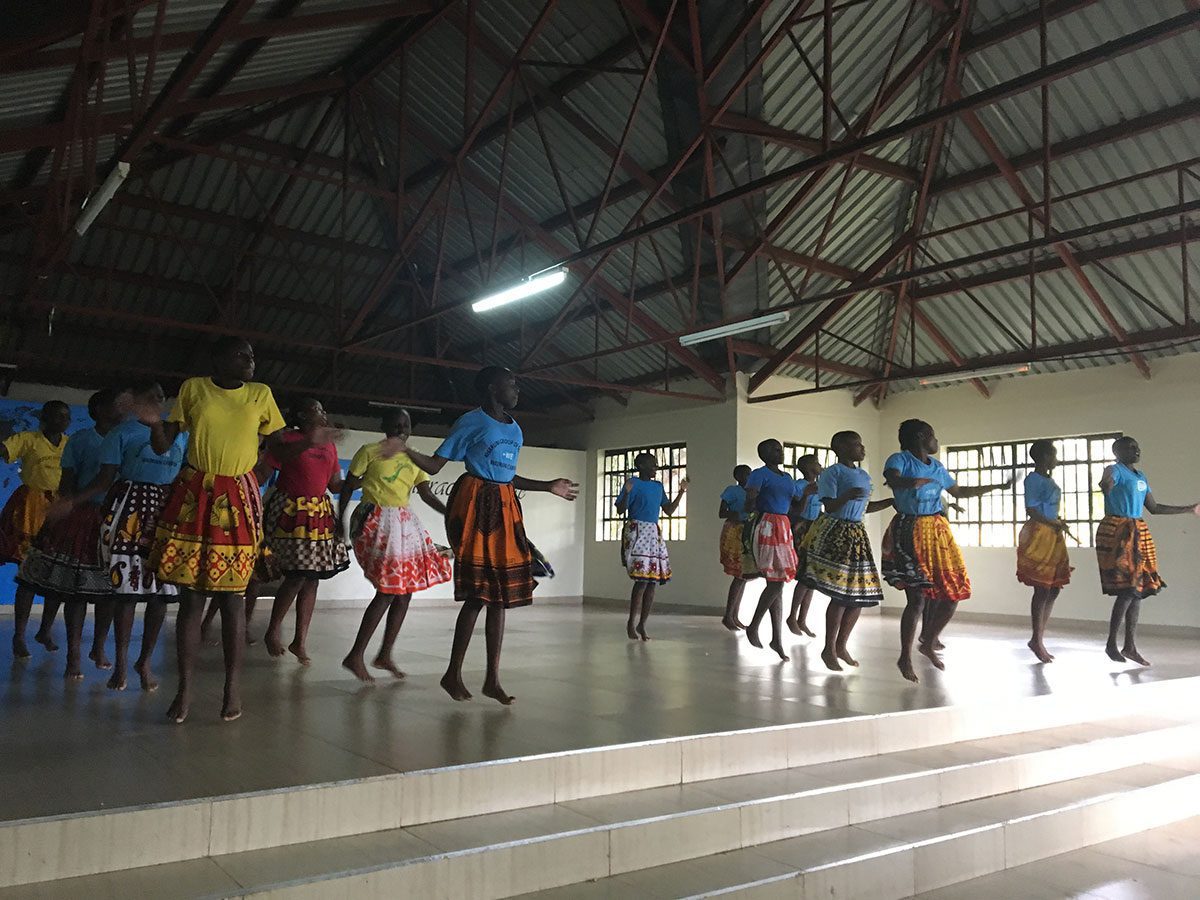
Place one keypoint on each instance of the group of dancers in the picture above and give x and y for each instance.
(149, 508)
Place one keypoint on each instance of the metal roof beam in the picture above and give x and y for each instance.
(1018, 25)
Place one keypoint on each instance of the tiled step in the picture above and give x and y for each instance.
(501, 854)
(60, 847)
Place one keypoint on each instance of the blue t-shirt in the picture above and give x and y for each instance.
(82, 454)
(646, 500)
(775, 490)
(1042, 494)
(810, 507)
(1125, 498)
(128, 447)
(837, 480)
(487, 447)
(734, 497)
(927, 499)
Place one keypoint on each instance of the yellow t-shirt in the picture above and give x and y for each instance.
(224, 425)
(386, 482)
(41, 461)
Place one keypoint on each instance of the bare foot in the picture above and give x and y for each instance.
(929, 651)
(388, 665)
(830, 660)
(844, 655)
(46, 641)
(454, 687)
(178, 711)
(251, 641)
(778, 648)
(273, 644)
(117, 682)
(73, 674)
(492, 689)
(732, 626)
(641, 632)
(231, 705)
(631, 631)
(794, 627)
(753, 638)
(19, 649)
(1040, 652)
(298, 651)
(1113, 653)
(808, 631)
(904, 664)
(1130, 653)
(146, 676)
(937, 645)
(356, 666)
(739, 625)
(98, 657)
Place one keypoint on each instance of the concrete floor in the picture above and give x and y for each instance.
(578, 680)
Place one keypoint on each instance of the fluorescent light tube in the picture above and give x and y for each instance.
(527, 288)
(724, 331)
(94, 204)
(951, 377)
(404, 406)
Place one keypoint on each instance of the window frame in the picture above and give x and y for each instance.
(994, 521)
(616, 465)
(792, 451)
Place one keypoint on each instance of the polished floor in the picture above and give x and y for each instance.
(578, 681)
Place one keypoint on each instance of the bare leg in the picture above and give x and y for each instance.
(908, 630)
(494, 633)
(1038, 615)
(776, 610)
(1120, 605)
(233, 639)
(45, 632)
(939, 618)
(283, 602)
(1130, 651)
(22, 607)
(187, 647)
(206, 626)
(395, 618)
(306, 602)
(366, 630)
(74, 614)
(849, 620)
(635, 609)
(732, 603)
(103, 619)
(452, 682)
(797, 621)
(123, 629)
(760, 611)
(647, 603)
(152, 619)
(251, 596)
(833, 625)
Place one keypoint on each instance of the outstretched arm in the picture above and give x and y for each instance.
(559, 487)
(833, 504)
(669, 508)
(1165, 509)
(898, 482)
(964, 493)
(877, 505)
(1037, 516)
(425, 489)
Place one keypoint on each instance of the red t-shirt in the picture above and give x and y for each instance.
(308, 474)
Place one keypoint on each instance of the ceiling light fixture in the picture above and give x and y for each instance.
(534, 284)
(94, 204)
(733, 328)
(951, 377)
(405, 406)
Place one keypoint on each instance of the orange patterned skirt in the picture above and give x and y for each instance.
(1127, 556)
(920, 552)
(20, 521)
(1042, 560)
(493, 561)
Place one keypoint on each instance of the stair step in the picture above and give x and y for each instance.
(499, 853)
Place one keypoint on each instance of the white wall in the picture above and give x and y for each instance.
(1160, 413)
(553, 524)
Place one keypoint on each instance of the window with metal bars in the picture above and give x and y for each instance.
(995, 519)
(792, 452)
(617, 467)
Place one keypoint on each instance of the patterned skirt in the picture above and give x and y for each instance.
(920, 552)
(20, 521)
(209, 533)
(731, 548)
(644, 552)
(800, 528)
(127, 531)
(299, 538)
(1042, 560)
(840, 563)
(493, 561)
(65, 557)
(395, 551)
(1127, 556)
(774, 552)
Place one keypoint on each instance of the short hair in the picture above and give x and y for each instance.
(807, 457)
(226, 344)
(99, 400)
(762, 445)
(486, 377)
(910, 430)
(741, 468)
(293, 412)
(1123, 441)
(644, 454)
(50, 405)
(841, 437)
(391, 420)
(1040, 449)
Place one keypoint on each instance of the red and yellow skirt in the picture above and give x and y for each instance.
(731, 548)
(299, 538)
(21, 520)
(920, 552)
(1127, 556)
(1042, 560)
(209, 533)
(493, 562)
(65, 556)
(774, 552)
(395, 551)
